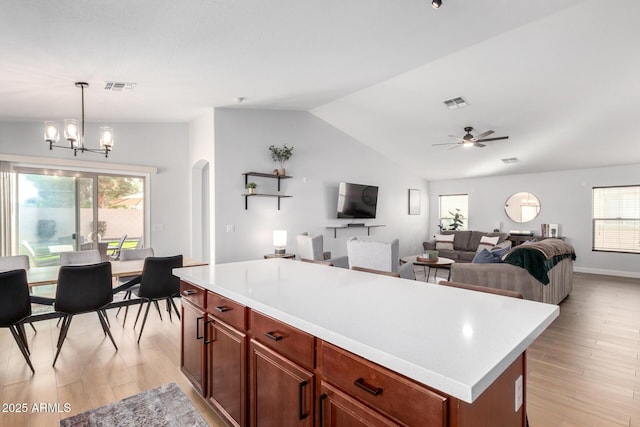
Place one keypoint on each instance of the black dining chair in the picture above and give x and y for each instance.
(15, 307)
(130, 255)
(158, 283)
(83, 289)
(16, 262)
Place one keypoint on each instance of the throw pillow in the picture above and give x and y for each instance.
(444, 241)
(485, 256)
(487, 243)
(500, 252)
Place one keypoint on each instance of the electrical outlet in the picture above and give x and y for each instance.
(519, 393)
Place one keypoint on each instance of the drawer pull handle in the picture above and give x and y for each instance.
(301, 386)
(189, 292)
(376, 391)
(223, 308)
(323, 396)
(198, 337)
(272, 335)
(205, 332)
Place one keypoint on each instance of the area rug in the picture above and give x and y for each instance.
(166, 405)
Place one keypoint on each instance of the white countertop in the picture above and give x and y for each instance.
(453, 340)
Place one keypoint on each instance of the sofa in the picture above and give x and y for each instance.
(540, 271)
(465, 244)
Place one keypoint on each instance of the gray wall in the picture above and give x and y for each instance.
(322, 157)
(566, 199)
(161, 145)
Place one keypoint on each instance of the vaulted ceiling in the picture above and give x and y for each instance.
(560, 78)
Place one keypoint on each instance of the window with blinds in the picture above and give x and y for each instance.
(449, 205)
(616, 219)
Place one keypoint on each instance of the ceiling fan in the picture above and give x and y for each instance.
(472, 141)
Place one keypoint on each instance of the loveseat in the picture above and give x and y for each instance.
(465, 244)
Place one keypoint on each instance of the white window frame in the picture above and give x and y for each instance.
(616, 219)
(449, 202)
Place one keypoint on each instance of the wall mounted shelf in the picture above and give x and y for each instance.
(263, 175)
(335, 228)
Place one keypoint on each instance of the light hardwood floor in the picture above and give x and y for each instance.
(584, 370)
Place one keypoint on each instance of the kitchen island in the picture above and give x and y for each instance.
(457, 354)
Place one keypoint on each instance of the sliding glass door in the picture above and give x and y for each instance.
(64, 211)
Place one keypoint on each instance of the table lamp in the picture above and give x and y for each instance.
(280, 241)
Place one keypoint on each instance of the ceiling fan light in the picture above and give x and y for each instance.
(51, 132)
(106, 137)
(71, 132)
(468, 144)
(436, 4)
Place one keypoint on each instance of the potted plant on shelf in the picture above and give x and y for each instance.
(251, 187)
(281, 155)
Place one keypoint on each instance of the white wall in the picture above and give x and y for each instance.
(161, 145)
(322, 157)
(565, 198)
(201, 162)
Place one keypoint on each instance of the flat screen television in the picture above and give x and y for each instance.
(357, 200)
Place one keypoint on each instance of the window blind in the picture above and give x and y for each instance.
(616, 219)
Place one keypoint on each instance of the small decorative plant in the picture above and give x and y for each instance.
(280, 155)
(457, 220)
(251, 187)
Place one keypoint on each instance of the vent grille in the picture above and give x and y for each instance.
(455, 103)
(118, 86)
(510, 160)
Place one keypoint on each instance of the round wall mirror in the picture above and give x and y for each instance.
(522, 207)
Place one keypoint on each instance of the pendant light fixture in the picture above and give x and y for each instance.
(74, 133)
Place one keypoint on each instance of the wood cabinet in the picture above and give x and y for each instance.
(258, 371)
(192, 355)
(399, 399)
(281, 391)
(338, 409)
(226, 369)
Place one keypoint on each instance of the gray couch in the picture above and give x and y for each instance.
(465, 244)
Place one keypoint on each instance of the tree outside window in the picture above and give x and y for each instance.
(454, 210)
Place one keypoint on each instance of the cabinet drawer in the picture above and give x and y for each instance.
(192, 293)
(392, 394)
(287, 340)
(228, 311)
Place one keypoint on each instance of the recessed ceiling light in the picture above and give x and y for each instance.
(455, 103)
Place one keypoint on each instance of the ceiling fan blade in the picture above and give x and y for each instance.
(456, 137)
(477, 144)
(482, 135)
(492, 139)
(447, 143)
(455, 146)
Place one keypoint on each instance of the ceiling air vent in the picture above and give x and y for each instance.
(118, 86)
(510, 160)
(455, 103)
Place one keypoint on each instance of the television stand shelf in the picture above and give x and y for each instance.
(367, 226)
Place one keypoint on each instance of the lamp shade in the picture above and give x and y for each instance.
(71, 132)
(279, 238)
(51, 132)
(106, 137)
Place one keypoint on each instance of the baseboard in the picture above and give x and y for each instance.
(604, 272)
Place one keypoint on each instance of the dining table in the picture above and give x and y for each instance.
(38, 276)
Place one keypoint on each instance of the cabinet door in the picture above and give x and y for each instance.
(226, 383)
(281, 392)
(337, 409)
(192, 356)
